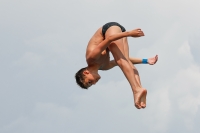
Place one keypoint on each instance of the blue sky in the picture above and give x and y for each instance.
(42, 46)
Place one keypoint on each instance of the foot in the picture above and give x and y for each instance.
(140, 98)
(153, 60)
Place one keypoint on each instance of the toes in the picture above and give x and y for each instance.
(137, 105)
(143, 99)
(143, 105)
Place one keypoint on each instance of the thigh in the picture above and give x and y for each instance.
(116, 47)
(126, 47)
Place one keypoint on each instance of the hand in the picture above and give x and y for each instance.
(136, 33)
(153, 60)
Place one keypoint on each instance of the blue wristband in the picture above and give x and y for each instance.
(144, 61)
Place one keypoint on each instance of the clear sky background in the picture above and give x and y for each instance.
(42, 46)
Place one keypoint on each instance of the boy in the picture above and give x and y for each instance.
(112, 37)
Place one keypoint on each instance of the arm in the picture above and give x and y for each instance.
(135, 60)
(96, 53)
(150, 61)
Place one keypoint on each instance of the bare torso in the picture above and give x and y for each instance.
(96, 39)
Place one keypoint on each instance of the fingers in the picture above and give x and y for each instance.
(156, 56)
(140, 32)
(138, 29)
(153, 60)
(156, 59)
(137, 33)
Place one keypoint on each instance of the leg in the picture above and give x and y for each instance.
(137, 77)
(126, 50)
(118, 51)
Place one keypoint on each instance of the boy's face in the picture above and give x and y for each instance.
(91, 78)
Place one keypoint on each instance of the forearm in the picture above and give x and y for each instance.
(135, 60)
(111, 38)
(138, 60)
(117, 36)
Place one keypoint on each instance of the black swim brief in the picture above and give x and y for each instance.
(108, 25)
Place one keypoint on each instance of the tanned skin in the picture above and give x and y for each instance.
(98, 58)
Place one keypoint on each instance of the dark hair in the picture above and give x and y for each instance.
(80, 78)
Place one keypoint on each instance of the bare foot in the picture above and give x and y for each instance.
(153, 60)
(140, 98)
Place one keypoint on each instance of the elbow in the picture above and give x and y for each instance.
(90, 59)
